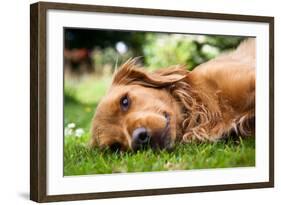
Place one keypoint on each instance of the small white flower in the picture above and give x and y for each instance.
(71, 125)
(67, 131)
(79, 132)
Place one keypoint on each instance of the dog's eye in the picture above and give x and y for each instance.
(125, 103)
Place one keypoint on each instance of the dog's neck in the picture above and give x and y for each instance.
(194, 113)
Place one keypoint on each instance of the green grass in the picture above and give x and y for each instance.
(79, 159)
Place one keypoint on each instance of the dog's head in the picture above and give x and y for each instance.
(138, 109)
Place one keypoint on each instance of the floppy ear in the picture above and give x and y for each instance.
(131, 73)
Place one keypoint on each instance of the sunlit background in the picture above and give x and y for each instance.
(90, 57)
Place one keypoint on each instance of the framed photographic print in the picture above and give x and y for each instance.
(135, 102)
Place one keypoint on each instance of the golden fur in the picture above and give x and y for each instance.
(208, 103)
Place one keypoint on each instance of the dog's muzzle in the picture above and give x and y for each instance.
(142, 138)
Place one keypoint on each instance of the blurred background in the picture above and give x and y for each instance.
(90, 57)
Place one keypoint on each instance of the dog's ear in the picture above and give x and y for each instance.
(131, 73)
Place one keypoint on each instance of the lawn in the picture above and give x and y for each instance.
(79, 159)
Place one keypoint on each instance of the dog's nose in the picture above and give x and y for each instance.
(140, 138)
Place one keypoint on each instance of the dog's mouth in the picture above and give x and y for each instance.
(162, 138)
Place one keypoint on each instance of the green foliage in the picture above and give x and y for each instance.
(163, 50)
(158, 50)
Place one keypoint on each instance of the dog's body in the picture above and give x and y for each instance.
(173, 104)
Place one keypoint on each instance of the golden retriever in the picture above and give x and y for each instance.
(157, 109)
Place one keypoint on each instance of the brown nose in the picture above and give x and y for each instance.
(140, 138)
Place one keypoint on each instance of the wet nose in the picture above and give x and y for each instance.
(140, 138)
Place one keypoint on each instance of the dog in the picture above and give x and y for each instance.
(157, 109)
